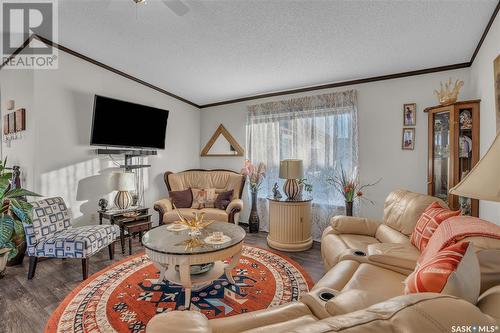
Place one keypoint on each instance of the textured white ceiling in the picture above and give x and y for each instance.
(227, 49)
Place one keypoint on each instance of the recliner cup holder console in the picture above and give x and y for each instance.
(359, 253)
(326, 296)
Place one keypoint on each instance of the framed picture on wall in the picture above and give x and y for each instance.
(20, 120)
(409, 114)
(408, 139)
(12, 122)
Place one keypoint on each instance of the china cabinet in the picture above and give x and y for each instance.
(453, 151)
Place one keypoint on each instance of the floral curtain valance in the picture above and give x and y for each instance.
(301, 107)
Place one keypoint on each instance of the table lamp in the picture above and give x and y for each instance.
(125, 182)
(291, 170)
(483, 181)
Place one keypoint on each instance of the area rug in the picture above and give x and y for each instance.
(125, 296)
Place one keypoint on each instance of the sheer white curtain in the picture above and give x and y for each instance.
(321, 130)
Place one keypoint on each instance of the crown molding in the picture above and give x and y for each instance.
(97, 63)
(485, 33)
(343, 83)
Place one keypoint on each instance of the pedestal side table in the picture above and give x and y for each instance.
(290, 224)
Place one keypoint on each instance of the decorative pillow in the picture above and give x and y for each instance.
(430, 219)
(453, 271)
(203, 198)
(181, 199)
(223, 199)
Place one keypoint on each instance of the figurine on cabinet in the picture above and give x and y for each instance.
(276, 191)
(465, 120)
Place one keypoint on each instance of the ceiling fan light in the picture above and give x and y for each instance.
(139, 1)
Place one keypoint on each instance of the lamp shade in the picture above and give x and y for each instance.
(125, 181)
(483, 181)
(291, 169)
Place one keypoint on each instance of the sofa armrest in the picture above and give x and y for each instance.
(394, 254)
(354, 225)
(179, 322)
(352, 300)
(233, 208)
(162, 206)
(236, 204)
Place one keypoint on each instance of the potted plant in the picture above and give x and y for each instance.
(14, 211)
(349, 187)
(255, 177)
(304, 185)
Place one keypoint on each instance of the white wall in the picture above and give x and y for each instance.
(380, 126)
(482, 86)
(62, 160)
(19, 86)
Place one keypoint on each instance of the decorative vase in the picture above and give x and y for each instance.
(348, 208)
(253, 220)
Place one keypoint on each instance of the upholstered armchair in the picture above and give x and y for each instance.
(220, 180)
(52, 236)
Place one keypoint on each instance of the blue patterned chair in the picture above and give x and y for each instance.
(52, 236)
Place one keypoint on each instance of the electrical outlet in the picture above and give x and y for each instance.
(93, 217)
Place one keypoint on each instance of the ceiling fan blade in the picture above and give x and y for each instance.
(177, 6)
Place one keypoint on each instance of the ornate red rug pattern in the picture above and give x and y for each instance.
(125, 296)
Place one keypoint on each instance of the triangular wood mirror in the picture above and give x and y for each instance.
(222, 143)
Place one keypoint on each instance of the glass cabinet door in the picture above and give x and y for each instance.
(465, 155)
(441, 154)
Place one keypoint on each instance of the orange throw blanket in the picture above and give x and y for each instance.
(455, 229)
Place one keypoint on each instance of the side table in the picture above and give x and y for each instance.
(136, 227)
(118, 217)
(290, 224)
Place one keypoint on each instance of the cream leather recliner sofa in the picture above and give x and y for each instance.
(426, 312)
(348, 235)
(366, 293)
(221, 180)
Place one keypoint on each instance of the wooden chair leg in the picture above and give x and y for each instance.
(85, 268)
(32, 267)
(111, 249)
(130, 245)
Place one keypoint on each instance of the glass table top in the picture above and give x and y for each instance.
(162, 240)
(302, 198)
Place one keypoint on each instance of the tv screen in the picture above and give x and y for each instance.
(124, 124)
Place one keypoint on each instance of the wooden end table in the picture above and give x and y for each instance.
(168, 249)
(118, 217)
(136, 227)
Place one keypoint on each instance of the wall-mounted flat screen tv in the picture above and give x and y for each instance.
(123, 124)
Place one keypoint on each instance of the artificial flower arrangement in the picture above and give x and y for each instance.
(255, 175)
(350, 187)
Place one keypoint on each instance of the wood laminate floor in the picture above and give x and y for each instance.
(25, 306)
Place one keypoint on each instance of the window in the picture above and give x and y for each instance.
(321, 130)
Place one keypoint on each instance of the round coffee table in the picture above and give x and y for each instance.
(168, 249)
